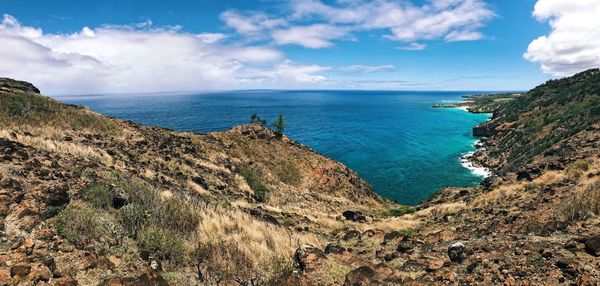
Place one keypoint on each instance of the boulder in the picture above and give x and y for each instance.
(352, 234)
(592, 245)
(354, 216)
(391, 236)
(333, 248)
(363, 275)
(20, 270)
(308, 258)
(404, 246)
(456, 252)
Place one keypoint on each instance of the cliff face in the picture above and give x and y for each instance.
(98, 201)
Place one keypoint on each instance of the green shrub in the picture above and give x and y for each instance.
(254, 181)
(98, 195)
(400, 211)
(175, 214)
(133, 218)
(287, 173)
(162, 244)
(77, 222)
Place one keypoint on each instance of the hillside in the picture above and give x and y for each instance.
(91, 200)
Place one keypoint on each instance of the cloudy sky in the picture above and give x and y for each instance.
(124, 46)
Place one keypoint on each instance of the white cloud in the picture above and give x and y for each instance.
(573, 44)
(449, 19)
(413, 47)
(314, 36)
(250, 24)
(211, 38)
(140, 58)
(367, 69)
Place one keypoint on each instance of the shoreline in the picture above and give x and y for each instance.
(467, 159)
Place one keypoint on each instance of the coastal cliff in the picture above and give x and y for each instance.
(91, 200)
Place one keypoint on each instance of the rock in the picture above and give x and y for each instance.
(434, 265)
(65, 281)
(363, 275)
(115, 260)
(41, 273)
(308, 258)
(4, 275)
(21, 270)
(352, 234)
(456, 252)
(354, 216)
(391, 236)
(483, 130)
(333, 248)
(120, 198)
(592, 245)
(58, 197)
(529, 173)
(404, 246)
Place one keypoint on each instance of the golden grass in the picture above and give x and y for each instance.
(262, 243)
(60, 147)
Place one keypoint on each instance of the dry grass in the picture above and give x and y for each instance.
(64, 148)
(236, 246)
(439, 210)
(583, 204)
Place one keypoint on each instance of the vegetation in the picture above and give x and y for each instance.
(251, 176)
(255, 118)
(25, 109)
(582, 204)
(546, 115)
(399, 211)
(279, 125)
(162, 243)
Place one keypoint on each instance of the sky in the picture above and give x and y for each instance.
(90, 47)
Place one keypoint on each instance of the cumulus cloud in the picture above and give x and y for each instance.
(573, 44)
(313, 36)
(367, 69)
(140, 58)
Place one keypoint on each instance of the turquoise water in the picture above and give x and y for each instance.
(395, 140)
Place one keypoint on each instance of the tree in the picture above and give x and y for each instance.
(279, 125)
(255, 118)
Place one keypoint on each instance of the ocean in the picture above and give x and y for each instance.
(403, 147)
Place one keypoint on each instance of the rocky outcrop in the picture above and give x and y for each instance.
(483, 130)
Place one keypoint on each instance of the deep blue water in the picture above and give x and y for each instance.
(395, 140)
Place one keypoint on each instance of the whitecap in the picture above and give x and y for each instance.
(475, 169)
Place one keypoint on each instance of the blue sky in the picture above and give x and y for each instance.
(146, 46)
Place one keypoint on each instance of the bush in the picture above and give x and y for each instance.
(254, 181)
(287, 173)
(77, 222)
(220, 261)
(175, 214)
(133, 218)
(98, 195)
(577, 168)
(162, 244)
(582, 205)
(400, 211)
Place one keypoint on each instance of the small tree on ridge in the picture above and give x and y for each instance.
(279, 125)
